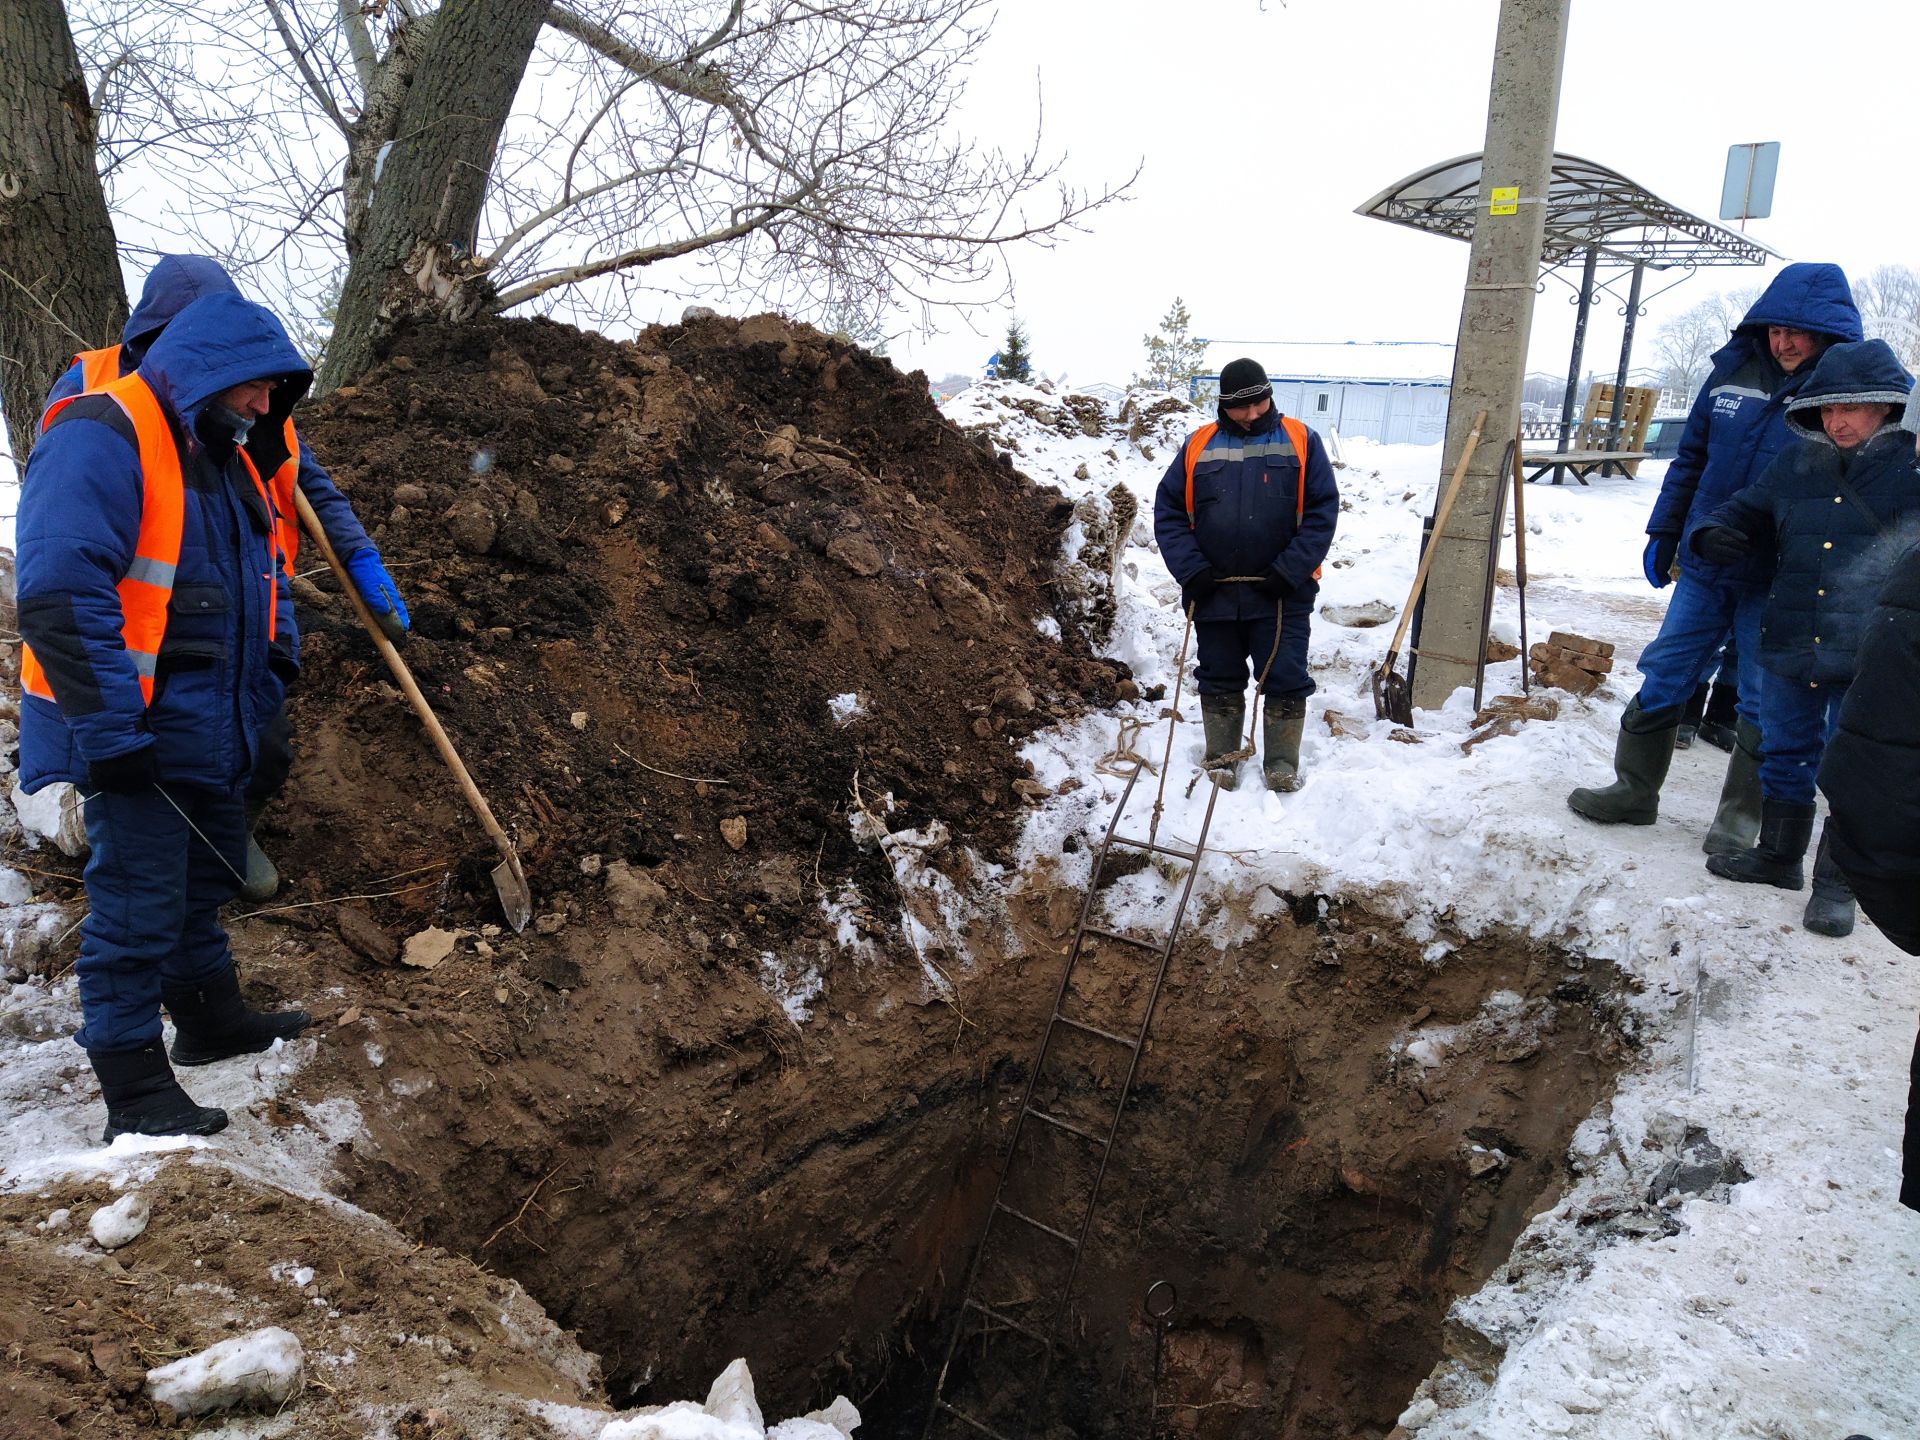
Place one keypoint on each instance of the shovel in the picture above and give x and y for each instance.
(509, 880)
(1391, 698)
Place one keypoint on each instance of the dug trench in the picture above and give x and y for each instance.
(741, 637)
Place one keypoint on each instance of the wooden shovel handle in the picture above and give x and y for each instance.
(475, 800)
(1439, 528)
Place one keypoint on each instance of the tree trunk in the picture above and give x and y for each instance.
(415, 255)
(60, 286)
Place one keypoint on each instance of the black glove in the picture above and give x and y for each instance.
(1197, 588)
(127, 774)
(1721, 545)
(282, 666)
(1273, 586)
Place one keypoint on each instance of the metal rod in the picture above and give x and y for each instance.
(1568, 402)
(1626, 354)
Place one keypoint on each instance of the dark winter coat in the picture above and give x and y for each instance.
(216, 683)
(174, 283)
(1871, 773)
(1738, 421)
(1246, 488)
(1831, 555)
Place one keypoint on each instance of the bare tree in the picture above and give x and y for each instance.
(1889, 301)
(1685, 346)
(60, 287)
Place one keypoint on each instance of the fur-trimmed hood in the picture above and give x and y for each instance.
(1864, 372)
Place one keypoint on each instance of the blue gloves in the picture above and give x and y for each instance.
(1658, 561)
(376, 587)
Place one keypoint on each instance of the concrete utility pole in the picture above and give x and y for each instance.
(1489, 360)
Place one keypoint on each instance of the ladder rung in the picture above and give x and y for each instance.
(1156, 849)
(1008, 1321)
(1096, 1030)
(964, 1418)
(1067, 1125)
(1151, 945)
(1027, 1219)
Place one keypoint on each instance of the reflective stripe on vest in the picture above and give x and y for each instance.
(148, 583)
(1295, 446)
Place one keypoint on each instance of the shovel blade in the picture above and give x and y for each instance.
(510, 883)
(1391, 698)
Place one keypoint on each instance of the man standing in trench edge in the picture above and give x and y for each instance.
(154, 602)
(1244, 516)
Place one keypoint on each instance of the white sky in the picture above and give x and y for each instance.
(1263, 128)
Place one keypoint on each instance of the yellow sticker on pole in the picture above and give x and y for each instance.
(1506, 200)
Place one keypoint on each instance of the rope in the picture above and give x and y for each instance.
(1246, 751)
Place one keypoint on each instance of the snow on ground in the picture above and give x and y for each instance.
(1790, 1310)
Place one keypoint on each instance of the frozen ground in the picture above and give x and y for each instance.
(1787, 1307)
(1791, 1307)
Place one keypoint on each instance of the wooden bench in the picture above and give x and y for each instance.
(1581, 463)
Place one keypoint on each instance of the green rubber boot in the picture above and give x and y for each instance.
(1736, 823)
(1281, 725)
(1223, 717)
(1641, 758)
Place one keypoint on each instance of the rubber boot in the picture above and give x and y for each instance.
(1282, 724)
(1830, 909)
(1223, 717)
(263, 879)
(143, 1098)
(1785, 828)
(1690, 720)
(1641, 758)
(213, 1023)
(1719, 725)
(1736, 823)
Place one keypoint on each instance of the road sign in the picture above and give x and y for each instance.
(1747, 192)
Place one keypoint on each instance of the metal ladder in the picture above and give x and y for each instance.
(985, 1316)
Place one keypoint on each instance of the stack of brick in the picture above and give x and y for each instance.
(1571, 662)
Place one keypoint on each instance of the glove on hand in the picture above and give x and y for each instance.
(1722, 545)
(376, 587)
(1657, 563)
(127, 774)
(1273, 586)
(1199, 587)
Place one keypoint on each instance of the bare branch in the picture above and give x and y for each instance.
(359, 43)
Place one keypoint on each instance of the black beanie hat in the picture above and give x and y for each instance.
(1244, 382)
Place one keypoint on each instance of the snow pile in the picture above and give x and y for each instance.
(264, 1368)
(732, 1413)
(121, 1223)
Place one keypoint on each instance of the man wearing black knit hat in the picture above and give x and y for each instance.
(1244, 516)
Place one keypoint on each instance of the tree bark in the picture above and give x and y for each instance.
(416, 246)
(60, 285)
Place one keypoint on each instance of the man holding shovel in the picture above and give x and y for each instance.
(1244, 516)
(159, 630)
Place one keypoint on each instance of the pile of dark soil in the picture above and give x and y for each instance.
(640, 575)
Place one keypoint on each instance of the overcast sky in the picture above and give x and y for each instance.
(1263, 124)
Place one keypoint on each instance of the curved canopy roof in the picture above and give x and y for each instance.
(1587, 204)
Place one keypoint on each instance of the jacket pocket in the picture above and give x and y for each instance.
(197, 624)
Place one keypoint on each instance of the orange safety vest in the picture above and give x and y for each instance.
(1296, 436)
(100, 368)
(147, 587)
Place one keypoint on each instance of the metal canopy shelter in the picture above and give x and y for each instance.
(1595, 216)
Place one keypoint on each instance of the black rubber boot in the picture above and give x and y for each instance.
(214, 1023)
(1282, 724)
(1719, 724)
(1785, 828)
(1641, 758)
(1830, 909)
(1223, 717)
(1690, 718)
(1736, 823)
(143, 1098)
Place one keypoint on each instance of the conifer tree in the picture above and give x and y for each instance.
(1173, 356)
(1016, 360)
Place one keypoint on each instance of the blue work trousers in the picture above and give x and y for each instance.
(1796, 721)
(154, 892)
(1697, 621)
(1230, 650)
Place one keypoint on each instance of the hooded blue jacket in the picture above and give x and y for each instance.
(1738, 422)
(174, 283)
(217, 681)
(1831, 556)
